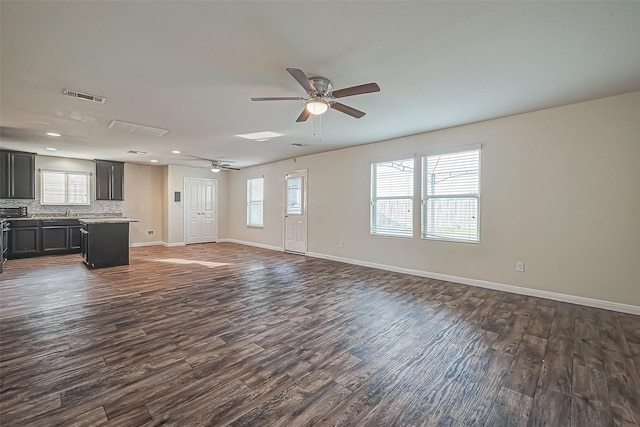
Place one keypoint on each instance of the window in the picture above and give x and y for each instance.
(451, 196)
(294, 195)
(255, 192)
(64, 188)
(392, 198)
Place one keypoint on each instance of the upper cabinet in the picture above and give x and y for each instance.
(109, 180)
(17, 175)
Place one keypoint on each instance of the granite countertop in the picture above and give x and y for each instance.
(107, 220)
(89, 219)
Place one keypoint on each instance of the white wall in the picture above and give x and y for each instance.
(143, 201)
(560, 190)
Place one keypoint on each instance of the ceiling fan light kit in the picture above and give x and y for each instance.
(317, 106)
(320, 97)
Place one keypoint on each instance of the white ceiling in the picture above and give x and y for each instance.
(192, 67)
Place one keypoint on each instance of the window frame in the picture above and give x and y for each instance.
(251, 202)
(424, 198)
(373, 198)
(66, 174)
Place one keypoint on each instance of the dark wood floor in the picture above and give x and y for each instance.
(223, 334)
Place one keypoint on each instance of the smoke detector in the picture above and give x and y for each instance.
(85, 96)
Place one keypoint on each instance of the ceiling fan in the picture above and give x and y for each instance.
(320, 97)
(216, 165)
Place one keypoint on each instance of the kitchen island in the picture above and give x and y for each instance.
(105, 241)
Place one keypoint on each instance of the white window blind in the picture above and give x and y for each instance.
(255, 196)
(451, 196)
(392, 198)
(64, 188)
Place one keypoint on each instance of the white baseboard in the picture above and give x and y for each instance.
(590, 302)
(170, 245)
(141, 244)
(257, 245)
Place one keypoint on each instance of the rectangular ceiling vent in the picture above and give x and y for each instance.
(136, 128)
(85, 96)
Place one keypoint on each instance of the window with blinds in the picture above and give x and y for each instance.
(392, 198)
(451, 196)
(64, 188)
(255, 196)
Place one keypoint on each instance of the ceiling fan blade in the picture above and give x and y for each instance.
(356, 90)
(302, 78)
(279, 98)
(303, 116)
(347, 110)
(229, 168)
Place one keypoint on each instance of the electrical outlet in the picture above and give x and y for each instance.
(150, 233)
(520, 266)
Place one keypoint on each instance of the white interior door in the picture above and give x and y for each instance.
(295, 215)
(200, 208)
(192, 217)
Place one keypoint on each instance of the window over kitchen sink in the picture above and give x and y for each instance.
(64, 188)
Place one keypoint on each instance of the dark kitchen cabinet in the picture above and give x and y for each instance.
(60, 236)
(55, 238)
(30, 238)
(17, 175)
(75, 237)
(109, 180)
(105, 244)
(25, 239)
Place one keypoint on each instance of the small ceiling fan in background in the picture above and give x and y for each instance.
(216, 165)
(320, 97)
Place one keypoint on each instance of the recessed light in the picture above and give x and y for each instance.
(176, 151)
(153, 161)
(53, 134)
(52, 149)
(256, 136)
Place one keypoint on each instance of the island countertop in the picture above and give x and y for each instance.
(107, 220)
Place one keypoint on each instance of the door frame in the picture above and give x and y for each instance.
(185, 218)
(305, 201)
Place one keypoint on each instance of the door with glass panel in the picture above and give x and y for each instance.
(295, 214)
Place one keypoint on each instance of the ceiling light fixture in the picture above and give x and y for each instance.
(317, 105)
(215, 168)
(51, 149)
(153, 161)
(176, 151)
(53, 134)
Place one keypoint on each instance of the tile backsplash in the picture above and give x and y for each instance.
(96, 207)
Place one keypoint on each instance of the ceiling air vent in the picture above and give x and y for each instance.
(135, 128)
(85, 96)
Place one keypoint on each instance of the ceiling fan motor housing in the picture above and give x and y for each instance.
(322, 84)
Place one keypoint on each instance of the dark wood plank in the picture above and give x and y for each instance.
(224, 334)
(624, 388)
(525, 369)
(510, 409)
(590, 398)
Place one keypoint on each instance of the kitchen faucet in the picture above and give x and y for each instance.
(67, 212)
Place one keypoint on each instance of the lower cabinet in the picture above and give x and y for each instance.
(105, 244)
(31, 238)
(24, 240)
